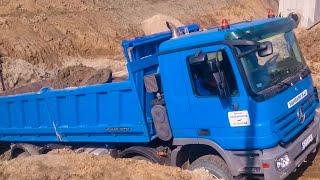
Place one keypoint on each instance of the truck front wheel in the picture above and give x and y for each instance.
(214, 164)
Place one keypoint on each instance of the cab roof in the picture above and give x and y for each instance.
(252, 30)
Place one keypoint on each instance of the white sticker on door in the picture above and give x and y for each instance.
(239, 118)
(298, 98)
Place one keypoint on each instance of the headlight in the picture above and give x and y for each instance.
(282, 162)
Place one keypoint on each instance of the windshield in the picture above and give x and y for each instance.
(284, 62)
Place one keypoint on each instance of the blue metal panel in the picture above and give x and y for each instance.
(185, 121)
(188, 114)
(99, 113)
(142, 59)
(115, 112)
(176, 96)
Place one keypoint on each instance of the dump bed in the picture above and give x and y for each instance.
(111, 112)
(100, 113)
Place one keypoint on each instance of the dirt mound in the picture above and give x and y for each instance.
(18, 72)
(79, 76)
(310, 42)
(157, 23)
(45, 32)
(47, 36)
(69, 165)
(72, 76)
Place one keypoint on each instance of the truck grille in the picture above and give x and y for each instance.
(289, 126)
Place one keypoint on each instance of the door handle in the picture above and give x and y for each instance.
(204, 132)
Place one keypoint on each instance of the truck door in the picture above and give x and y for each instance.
(213, 115)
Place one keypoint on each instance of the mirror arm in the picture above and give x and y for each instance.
(259, 47)
(243, 42)
(247, 52)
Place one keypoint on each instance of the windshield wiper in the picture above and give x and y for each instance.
(286, 82)
(303, 72)
(283, 83)
(291, 80)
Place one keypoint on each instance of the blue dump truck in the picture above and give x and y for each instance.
(237, 100)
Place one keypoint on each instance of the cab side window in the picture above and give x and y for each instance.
(204, 83)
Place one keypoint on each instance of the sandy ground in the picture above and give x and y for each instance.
(309, 42)
(311, 172)
(69, 43)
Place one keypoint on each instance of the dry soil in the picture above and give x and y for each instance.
(62, 43)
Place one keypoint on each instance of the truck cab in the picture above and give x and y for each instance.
(245, 92)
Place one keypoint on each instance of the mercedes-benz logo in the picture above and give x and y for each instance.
(301, 115)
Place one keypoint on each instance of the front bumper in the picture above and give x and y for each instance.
(294, 150)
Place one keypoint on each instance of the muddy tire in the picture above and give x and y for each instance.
(214, 164)
(23, 154)
(141, 158)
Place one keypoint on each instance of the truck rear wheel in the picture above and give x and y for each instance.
(141, 158)
(22, 155)
(18, 153)
(214, 164)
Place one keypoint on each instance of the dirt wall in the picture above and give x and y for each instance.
(49, 34)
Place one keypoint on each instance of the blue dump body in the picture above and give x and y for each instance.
(84, 114)
(111, 112)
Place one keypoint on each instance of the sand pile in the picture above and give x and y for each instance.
(69, 165)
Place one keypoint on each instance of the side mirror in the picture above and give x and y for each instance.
(265, 49)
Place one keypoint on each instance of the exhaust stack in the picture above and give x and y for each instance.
(296, 17)
(1, 76)
(174, 30)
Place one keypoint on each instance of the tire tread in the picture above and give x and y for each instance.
(209, 160)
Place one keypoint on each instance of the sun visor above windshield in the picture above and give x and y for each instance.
(261, 31)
